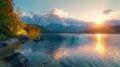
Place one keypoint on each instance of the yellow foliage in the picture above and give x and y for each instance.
(32, 31)
(21, 31)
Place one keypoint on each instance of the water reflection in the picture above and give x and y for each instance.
(100, 46)
(108, 52)
(96, 49)
(84, 50)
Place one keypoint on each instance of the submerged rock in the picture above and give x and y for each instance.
(17, 59)
(38, 39)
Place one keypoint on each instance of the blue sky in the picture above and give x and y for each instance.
(78, 9)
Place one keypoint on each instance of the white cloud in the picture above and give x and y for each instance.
(57, 12)
(23, 13)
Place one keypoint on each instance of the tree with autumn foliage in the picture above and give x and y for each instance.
(10, 24)
(7, 15)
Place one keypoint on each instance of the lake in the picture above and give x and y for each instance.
(74, 50)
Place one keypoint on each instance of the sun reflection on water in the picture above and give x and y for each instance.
(100, 46)
(105, 50)
(99, 49)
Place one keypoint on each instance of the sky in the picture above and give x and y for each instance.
(86, 10)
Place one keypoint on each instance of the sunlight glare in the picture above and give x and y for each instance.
(99, 21)
(100, 47)
(100, 18)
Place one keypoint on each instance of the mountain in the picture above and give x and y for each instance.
(53, 22)
(114, 29)
(112, 22)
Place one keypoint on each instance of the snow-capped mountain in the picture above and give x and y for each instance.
(54, 22)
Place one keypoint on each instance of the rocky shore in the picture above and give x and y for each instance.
(6, 61)
(15, 58)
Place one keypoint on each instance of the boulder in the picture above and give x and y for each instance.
(9, 42)
(17, 59)
(23, 38)
(20, 61)
(2, 44)
(11, 56)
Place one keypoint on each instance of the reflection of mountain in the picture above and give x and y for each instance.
(54, 23)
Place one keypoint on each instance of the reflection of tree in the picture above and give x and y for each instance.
(54, 42)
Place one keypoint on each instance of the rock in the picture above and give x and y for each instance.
(23, 38)
(10, 57)
(17, 59)
(9, 42)
(20, 61)
(2, 44)
(38, 39)
(12, 41)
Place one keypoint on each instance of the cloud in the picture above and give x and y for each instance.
(108, 14)
(57, 12)
(111, 14)
(52, 16)
(23, 13)
(108, 11)
(112, 17)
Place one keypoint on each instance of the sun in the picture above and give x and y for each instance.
(100, 19)
(98, 23)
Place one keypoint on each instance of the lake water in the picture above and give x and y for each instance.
(74, 50)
